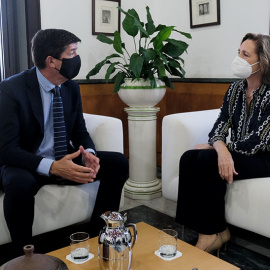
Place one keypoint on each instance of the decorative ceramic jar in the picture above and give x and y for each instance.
(31, 261)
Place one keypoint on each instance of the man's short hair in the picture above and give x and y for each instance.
(50, 42)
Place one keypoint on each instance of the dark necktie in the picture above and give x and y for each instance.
(60, 140)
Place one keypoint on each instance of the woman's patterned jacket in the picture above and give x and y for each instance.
(250, 126)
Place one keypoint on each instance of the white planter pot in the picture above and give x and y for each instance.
(138, 93)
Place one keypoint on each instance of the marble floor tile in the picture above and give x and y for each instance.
(129, 203)
(160, 204)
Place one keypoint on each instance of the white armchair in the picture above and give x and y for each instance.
(247, 201)
(60, 206)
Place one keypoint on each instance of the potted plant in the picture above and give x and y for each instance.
(155, 54)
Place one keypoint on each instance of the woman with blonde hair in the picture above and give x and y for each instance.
(205, 170)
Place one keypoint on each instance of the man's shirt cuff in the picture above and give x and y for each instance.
(44, 166)
(90, 150)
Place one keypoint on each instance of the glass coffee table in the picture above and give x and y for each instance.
(144, 257)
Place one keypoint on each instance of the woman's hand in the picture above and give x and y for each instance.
(225, 162)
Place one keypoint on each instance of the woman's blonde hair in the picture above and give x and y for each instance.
(263, 50)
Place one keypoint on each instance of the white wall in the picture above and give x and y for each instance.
(211, 50)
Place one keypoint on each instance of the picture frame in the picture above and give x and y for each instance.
(204, 13)
(105, 17)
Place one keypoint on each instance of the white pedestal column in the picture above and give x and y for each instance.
(143, 182)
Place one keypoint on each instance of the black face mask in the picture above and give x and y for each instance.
(70, 67)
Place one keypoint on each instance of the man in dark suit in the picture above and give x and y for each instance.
(28, 155)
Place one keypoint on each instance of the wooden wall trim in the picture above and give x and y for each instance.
(174, 80)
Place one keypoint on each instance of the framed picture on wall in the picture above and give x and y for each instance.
(204, 13)
(105, 17)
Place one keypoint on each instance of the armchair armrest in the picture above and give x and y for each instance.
(181, 132)
(107, 135)
(106, 132)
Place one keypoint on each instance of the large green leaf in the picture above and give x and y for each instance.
(160, 68)
(150, 75)
(117, 43)
(164, 59)
(150, 27)
(183, 33)
(174, 63)
(183, 71)
(136, 63)
(176, 59)
(181, 59)
(167, 82)
(147, 69)
(128, 23)
(178, 43)
(173, 71)
(160, 27)
(148, 54)
(122, 10)
(110, 70)
(96, 69)
(104, 39)
(143, 35)
(99, 65)
(118, 80)
(140, 26)
(153, 82)
(162, 36)
(175, 48)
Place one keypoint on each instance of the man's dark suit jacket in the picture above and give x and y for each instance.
(22, 120)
